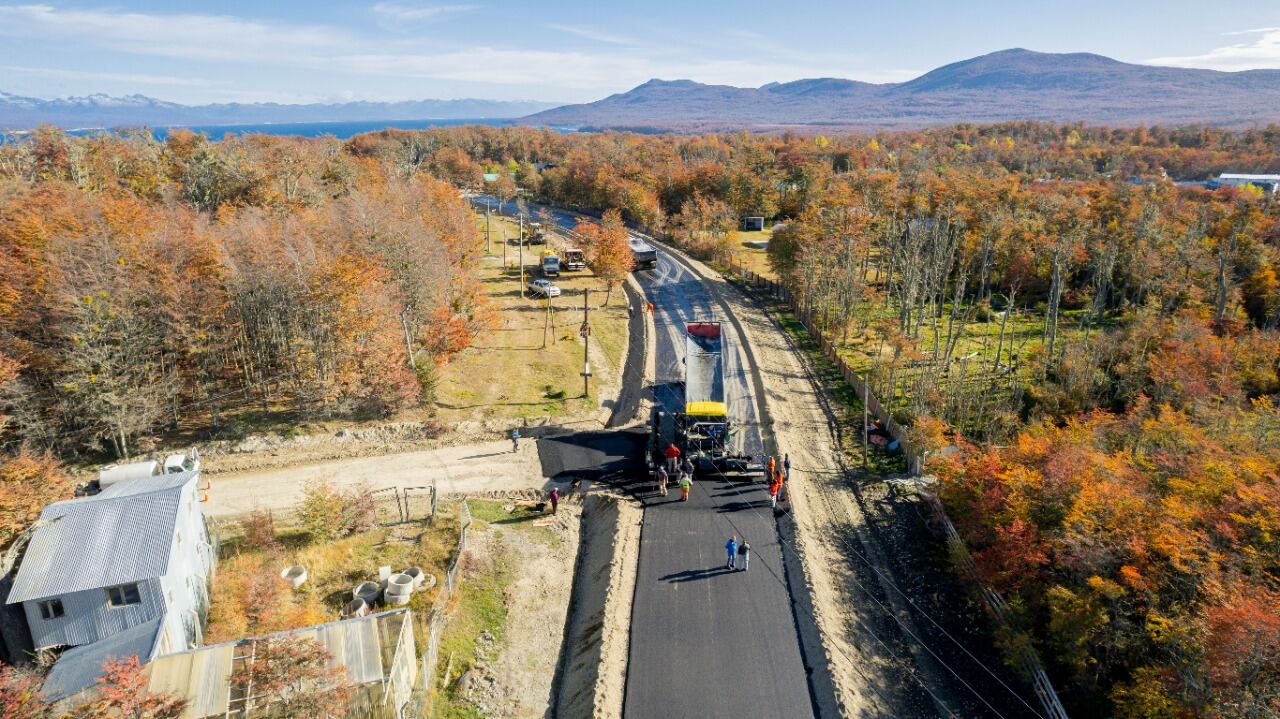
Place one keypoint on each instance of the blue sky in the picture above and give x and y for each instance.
(571, 50)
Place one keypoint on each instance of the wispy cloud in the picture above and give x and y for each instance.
(209, 37)
(1262, 52)
(399, 12)
(596, 35)
(322, 56)
(131, 78)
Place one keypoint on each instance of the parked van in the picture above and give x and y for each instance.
(550, 266)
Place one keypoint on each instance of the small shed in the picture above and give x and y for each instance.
(375, 652)
(752, 223)
(79, 668)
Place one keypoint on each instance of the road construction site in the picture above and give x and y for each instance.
(822, 624)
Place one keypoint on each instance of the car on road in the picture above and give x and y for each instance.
(543, 287)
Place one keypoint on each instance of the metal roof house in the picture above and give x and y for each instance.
(138, 553)
(1266, 183)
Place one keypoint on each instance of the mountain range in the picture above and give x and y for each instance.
(1007, 85)
(17, 112)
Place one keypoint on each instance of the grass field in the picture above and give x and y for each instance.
(755, 259)
(521, 370)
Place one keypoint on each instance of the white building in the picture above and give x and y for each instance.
(137, 553)
(1267, 183)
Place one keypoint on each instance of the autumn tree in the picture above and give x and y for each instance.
(291, 677)
(28, 482)
(608, 249)
(121, 693)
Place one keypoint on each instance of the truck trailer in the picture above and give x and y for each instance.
(702, 429)
(644, 254)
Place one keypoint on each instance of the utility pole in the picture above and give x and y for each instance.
(586, 344)
(408, 345)
(546, 324)
(488, 248)
(522, 254)
(865, 399)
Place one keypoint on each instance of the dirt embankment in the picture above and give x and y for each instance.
(593, 662)
(515, 679)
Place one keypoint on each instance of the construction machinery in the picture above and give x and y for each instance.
(574, 260)
(702, 430)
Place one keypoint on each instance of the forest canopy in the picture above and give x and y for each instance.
(1085, 337)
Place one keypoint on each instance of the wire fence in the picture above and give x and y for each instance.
(1025, 656)
(437, 619)
(776, 290)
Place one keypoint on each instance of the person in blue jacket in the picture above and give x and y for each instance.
(731, 548)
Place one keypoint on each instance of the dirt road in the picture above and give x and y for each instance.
(483, 467)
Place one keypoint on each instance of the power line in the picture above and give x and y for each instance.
(903, 625)
(886, 580)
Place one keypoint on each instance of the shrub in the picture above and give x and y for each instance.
(251, 598)
(20, 695)
(259, 530)
(328, 513)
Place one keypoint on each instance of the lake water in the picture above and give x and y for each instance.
(341, 130)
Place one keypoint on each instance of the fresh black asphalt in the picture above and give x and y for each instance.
(705, 642)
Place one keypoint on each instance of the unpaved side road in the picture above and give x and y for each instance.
(464, 469)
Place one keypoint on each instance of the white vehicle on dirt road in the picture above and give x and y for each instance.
(544, 288)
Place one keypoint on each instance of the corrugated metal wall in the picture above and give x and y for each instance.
(182, 593)
(87, 618)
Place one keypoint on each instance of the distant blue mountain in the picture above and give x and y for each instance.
(20, 113)
(1007, 85)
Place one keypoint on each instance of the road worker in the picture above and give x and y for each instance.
(672, 454)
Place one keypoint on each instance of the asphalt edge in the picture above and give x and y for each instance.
(823, 697)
